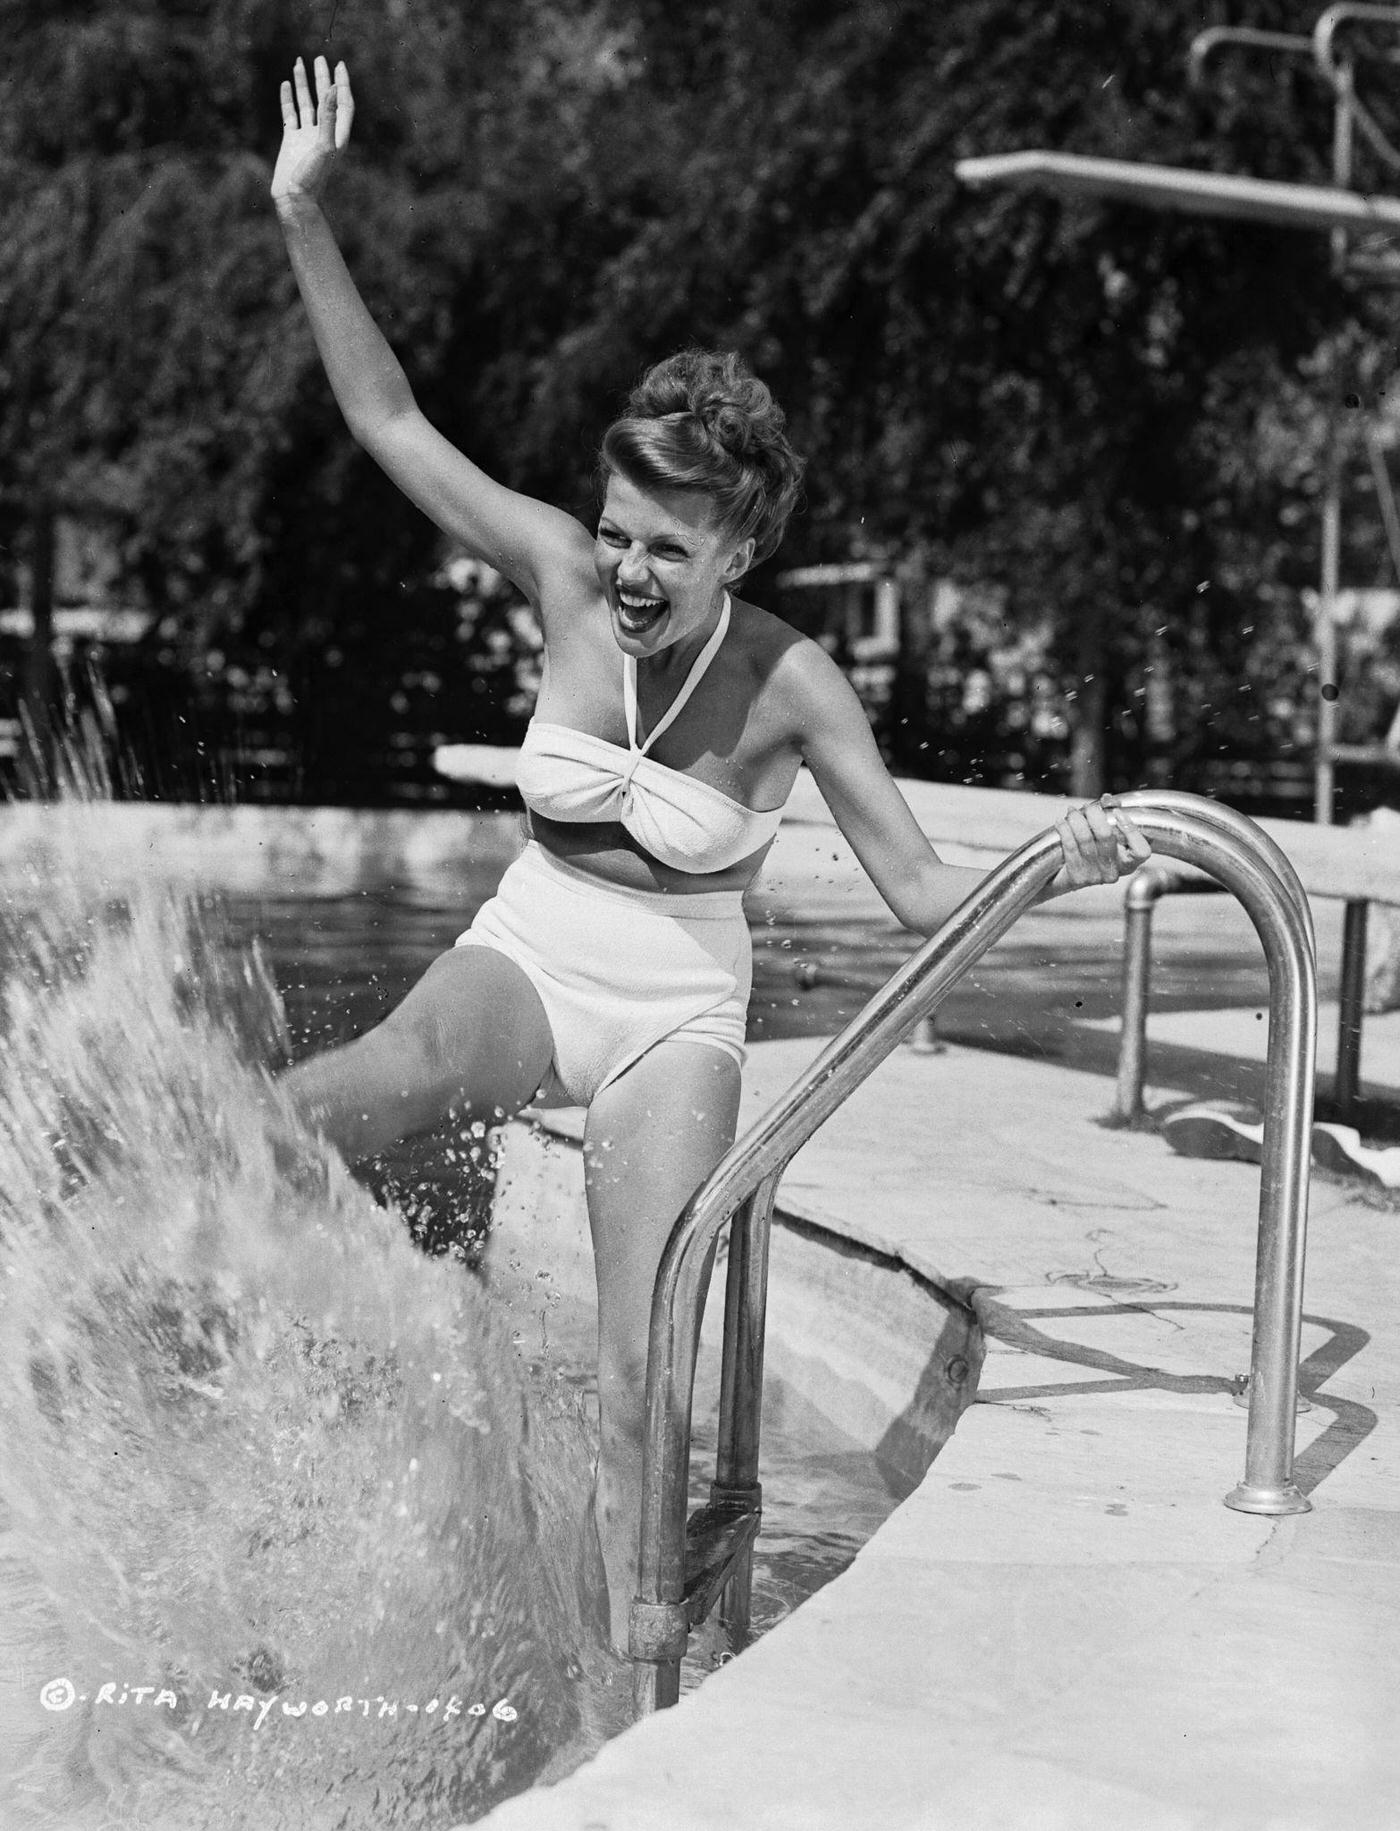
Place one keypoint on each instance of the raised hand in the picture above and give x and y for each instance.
(312, 133)
(1101, 844)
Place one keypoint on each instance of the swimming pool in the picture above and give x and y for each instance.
(292, 1515)
(240, 1411)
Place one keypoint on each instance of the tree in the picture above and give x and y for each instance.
(1087, 408)
(1062, 398)
(155, 356)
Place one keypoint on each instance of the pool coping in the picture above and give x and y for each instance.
(1063, 1625)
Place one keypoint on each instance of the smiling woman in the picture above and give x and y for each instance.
(660, 554)
(699, 424)
(612, 969)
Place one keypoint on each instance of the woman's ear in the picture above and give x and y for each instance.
(739, 561)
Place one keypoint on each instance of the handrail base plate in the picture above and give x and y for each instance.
(1248, 1499)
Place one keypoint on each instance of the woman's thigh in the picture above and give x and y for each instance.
(470, 1036)
(478, 1028)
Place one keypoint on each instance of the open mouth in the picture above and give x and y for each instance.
(638, 614)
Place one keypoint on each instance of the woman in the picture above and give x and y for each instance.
(612, 968)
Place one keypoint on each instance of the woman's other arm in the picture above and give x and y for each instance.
(921, 890)
(520, 537)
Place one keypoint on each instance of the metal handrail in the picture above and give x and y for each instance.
(1216, 37)
(1338, 75)
(1221, 843)
(1247, 831)
(1145, 889)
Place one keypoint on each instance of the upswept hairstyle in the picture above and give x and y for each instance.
(703, 421)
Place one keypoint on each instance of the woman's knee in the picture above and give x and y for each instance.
(622, 1387)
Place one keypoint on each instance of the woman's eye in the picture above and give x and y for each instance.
(612, 537)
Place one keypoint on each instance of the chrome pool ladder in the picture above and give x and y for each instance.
(686, 1565)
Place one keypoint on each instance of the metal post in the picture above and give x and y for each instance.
(1144, 888)
(1268, 1486)
(1279, 909)
(1325, 769)
(923, 1038)
(741, 1387)
(1352, 1001)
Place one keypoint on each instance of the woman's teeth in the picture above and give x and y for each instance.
(638, 613)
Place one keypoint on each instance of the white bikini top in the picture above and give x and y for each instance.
(573, 776)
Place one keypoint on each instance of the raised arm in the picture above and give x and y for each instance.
(526, 540)
(1100, 844)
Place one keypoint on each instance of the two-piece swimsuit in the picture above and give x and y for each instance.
(618, 970)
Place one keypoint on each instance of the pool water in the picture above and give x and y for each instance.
(293, 1529)
(289, 1534)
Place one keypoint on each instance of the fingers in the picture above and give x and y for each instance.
(303, 91)
(345, 105)
(1139, 846)
(1090, 843)
(1134, 847)
(326, 100)
(1100, 843)
(333, 110)
(1103, 826)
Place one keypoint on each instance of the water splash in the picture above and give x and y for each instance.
(287, 1527)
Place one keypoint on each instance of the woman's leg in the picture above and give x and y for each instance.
(652, 1138)
(471, 1035)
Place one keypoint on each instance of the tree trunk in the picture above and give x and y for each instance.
(1088, 737)
(1088, 755)
(910, 736)
(38, 698)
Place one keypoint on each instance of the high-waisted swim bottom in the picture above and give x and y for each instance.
(618, 970)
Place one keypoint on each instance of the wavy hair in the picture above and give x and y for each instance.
(703, 421)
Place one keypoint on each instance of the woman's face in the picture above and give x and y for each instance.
(663, 563)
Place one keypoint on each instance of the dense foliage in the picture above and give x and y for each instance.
(1108, 424)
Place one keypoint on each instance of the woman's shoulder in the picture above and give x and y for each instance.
(766, 640)
(784, 653)
(793, 674)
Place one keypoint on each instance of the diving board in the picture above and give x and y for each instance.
(1172, 187)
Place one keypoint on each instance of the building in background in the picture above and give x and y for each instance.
(83, 599)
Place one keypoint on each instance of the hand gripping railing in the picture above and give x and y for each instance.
(676, 1589)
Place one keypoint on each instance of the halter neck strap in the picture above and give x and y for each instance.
(692, 680)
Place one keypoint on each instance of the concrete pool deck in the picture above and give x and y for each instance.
(1063, 1626)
